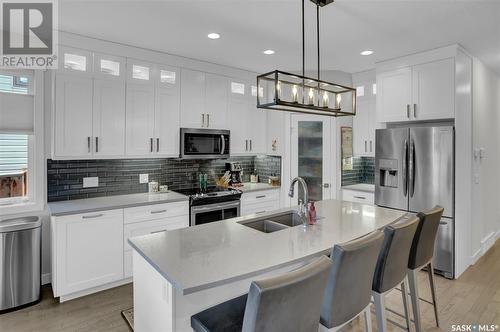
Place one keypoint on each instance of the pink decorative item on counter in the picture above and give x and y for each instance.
(312, 213)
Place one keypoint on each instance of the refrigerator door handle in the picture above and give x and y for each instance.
(404, 170)
(411, 168)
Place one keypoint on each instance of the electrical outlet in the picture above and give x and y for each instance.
(91, 182)
(143, 178)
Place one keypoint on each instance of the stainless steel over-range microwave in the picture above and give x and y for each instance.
(204, 143)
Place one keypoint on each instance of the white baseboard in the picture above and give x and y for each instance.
(46, 278)
(67, 297)
(488, 242)
(475, 257)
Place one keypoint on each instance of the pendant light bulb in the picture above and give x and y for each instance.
(339, 100)
(325, 99)
(311, 96)
(295, 94)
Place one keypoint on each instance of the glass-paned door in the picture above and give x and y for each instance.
(311, 155)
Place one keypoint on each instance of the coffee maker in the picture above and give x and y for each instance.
(235, 171)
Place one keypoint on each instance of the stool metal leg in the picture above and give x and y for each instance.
(412, 278)
(379, 300)
(404, 294)
(430, 271)
(368, 319)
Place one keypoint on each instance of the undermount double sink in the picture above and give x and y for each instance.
(274, 223)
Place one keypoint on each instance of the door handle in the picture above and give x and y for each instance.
(157, 144)
(88, 144)
(415, 111)
(223, 144)
(404, 167)
(151, 144)
(203, 119)
(408, 111)
(411, 168)
(97, 144)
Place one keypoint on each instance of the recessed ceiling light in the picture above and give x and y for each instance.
(268, 52)
(213, 35)
(367, 52)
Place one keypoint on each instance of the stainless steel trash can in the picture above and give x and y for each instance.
(20, 247)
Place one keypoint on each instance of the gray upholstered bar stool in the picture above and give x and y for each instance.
(348, 291)
(392, 267)
(421, 255)
(290, 302)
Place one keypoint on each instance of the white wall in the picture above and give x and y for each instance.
(485, 193)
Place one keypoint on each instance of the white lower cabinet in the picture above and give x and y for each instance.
(260, 201)
(87, 251)
(358, 196)
(90, 252)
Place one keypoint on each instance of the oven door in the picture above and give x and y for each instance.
(204, 143)
(204, 214)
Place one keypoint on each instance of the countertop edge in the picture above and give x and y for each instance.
(113, 207)
(354, 188)
(268, 187)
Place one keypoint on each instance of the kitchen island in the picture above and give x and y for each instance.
(181, 272)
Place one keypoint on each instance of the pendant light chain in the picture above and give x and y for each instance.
(317, 29)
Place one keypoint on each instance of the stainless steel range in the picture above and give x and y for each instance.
(212, 205)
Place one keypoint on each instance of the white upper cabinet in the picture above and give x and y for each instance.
(363, 123)
(140, 121)
(394, 95)
(434, 90)
(420, 92)
(193, 113)
(216, 100)
(73, 116)
(109, 66)
(109, 118)
(166, 132)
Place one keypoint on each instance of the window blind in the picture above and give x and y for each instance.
(13, 153)
(16, 104)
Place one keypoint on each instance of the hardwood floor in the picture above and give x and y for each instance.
(474, 298)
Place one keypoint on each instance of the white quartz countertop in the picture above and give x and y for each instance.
(249, 187)
(369, 188)
(210, 255)
(112, 202)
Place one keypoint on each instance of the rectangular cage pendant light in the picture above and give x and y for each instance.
(284, 91)
(293, 93)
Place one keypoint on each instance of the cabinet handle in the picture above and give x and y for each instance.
(260, 212)
(203, 119)
(246, 145)
(365, 146)
(250, 145)
(359, 197)
(157, 145)
(97, 144)
(408, 111)
(158, 211)
(163, 230)
(151, 144)
(260, 196)
(92, 216)
(88, 144)
(371, 146)
(415, 111)
(208, 120)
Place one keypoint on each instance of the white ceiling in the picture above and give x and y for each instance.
(391, 28)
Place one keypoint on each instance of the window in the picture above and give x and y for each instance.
(13, 166)
(110, 67)
(75, 62)
(238, 88)
(167, 76)
(140, 72)
(14, 84)
(360, 91)
(374, 89)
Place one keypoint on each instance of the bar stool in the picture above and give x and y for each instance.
(290, 302)
(348, 291)
(392, 266)
(421, 255)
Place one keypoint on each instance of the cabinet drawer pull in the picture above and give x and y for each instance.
(359, 197)
(260, 196)
(260, 212)
(92, 216)
(158, 211)
(161, 231)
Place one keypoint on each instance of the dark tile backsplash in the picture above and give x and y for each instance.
(363, 171)
(121, 176)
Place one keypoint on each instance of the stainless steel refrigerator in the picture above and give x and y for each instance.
(414, 171)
